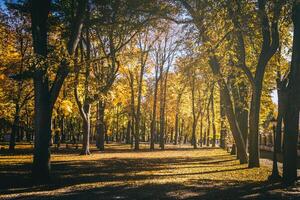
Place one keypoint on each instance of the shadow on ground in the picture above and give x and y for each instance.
(138, 178)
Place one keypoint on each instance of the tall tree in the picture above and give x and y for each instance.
(196, 12)
(291, 115)
(144, 47)
(45, 96)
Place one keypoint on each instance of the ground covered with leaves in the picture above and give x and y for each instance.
(121, 173)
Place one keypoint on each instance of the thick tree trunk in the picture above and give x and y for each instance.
(44, 96)
(254, 128)
(269, 47)
(291, 116)
(291, 130)
(41, 157)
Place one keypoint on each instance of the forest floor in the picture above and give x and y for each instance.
(121, 173)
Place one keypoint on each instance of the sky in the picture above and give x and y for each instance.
(274, 96)
(2, 4)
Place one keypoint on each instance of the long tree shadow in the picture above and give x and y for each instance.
(67, 173)
(243, 190)
(109, 178)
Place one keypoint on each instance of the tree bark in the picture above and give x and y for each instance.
(45, 98)
(43, 112)
(153, 121)
(127, 138)
(176, 129)
(279, 120)
(86, 130)
(15, 128)
(291, 116)
(195, 117)
(101, 125)
(229, 110)
(208, 121)
(201, 130)
(162, 112)
(223, 127)
(213, 118)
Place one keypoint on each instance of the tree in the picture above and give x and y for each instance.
(291, 115)
(198, 17)
(85, 106)
(179, 92)
(45, 93)
(144, 48)
(269, 46)
(15, 60)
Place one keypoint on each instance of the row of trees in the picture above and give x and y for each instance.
(156, 71)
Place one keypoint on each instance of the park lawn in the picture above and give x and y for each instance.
(121, 173)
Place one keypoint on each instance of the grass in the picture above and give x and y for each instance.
(120, 173)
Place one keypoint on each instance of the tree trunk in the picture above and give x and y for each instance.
(195, 118)
(291, 116)
(208, 125)
(281, 93)
(15, 129)
(86, 130)
(182, 132)
(176, 129)
(194, 139)
(269, 47)
(42, 108)
(172, 136)
(254, 127)
(127, 138)
(239, 91)
(132, 131)
(204, 137)
(223, 127)
(213, 118)
(279, 123)
(101, 125)
(45, 98)
(201, 130)
(162, 116)
(153, 121)
(229, 110)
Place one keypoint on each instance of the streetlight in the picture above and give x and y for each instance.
(275, 174)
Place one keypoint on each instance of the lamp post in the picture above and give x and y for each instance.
(275, 174)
